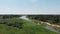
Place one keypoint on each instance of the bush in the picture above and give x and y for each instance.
(18, 25)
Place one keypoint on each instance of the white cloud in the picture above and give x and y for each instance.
(28, 11)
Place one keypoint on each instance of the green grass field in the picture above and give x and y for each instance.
(28, 28)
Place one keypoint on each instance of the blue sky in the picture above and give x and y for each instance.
(30, 6)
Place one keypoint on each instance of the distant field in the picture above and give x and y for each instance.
(28, 28)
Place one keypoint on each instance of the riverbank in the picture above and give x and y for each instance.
(47, 23)
(48, 26)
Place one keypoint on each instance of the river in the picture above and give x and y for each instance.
(46, 27)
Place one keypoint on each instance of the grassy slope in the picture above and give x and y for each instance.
(28, 28)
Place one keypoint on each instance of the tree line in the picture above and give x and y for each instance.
(46, 18)
(9, 16)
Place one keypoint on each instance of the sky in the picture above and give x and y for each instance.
(29, 6)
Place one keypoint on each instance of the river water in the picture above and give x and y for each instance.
(46, 27)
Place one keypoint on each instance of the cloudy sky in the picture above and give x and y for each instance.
(29, 6)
